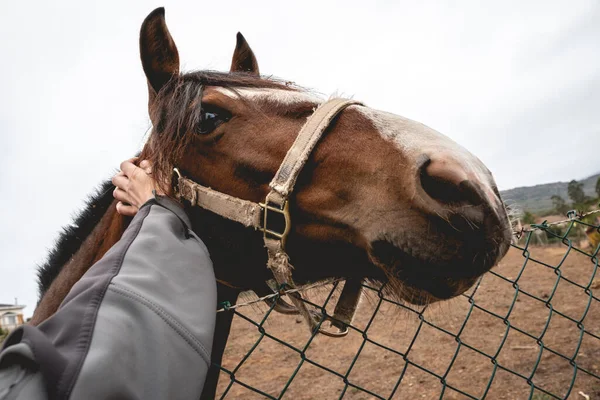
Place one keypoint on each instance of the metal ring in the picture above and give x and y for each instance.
(338, 334)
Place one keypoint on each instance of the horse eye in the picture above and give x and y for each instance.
(211, 118)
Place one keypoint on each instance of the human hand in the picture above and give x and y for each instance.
(134, 186)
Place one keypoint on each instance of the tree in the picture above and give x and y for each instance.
(528, 218)
(575, 190)
(598, 187)
(560, 205)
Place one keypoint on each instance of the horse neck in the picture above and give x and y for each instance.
(232, 249)
(106, 233)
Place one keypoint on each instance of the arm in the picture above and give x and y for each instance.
(139, 324)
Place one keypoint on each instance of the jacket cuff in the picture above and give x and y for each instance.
(174, 206)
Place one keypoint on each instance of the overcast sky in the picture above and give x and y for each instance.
(517, 83)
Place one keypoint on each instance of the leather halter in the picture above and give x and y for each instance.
(260, 216)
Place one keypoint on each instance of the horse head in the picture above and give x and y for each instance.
(381, 197)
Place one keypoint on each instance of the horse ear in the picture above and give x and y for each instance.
(158, 52)
(243, 58)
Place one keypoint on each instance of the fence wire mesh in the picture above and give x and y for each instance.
(530, 328)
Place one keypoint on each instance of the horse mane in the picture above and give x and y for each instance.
(72, 236)
(167, 145)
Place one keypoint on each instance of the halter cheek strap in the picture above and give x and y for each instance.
(255, 215)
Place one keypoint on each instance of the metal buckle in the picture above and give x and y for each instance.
(283, 210)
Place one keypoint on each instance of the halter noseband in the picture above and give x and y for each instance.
(258, 215)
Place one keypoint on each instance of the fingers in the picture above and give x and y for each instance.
(122, 195)
(131, 160)
(128, 167)
(126, 210)
(134, 186)
(120, 181)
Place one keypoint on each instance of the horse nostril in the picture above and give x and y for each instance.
(448, 183)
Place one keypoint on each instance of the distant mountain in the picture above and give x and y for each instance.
(537, 198)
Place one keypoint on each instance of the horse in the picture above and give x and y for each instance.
(381, 197)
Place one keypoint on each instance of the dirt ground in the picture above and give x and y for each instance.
(271, 364)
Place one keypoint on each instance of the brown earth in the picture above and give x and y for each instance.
(271, 365)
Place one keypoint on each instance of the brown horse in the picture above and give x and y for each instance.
(381, 197)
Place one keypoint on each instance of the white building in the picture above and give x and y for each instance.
(11, 316)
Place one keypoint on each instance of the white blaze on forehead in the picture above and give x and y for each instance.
(279, 96)
(415, 139)
(409, 135)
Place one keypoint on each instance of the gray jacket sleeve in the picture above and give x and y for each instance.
(138, 325)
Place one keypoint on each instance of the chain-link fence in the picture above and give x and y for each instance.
(530, 328)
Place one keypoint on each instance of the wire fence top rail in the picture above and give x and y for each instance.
(572, 215)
